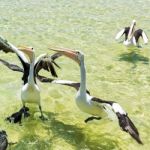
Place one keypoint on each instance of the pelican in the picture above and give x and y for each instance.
(30, 92)
(131, 35)
(95, 106)
(3, 140)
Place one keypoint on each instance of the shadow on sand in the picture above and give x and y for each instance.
(71, 134)
(133, 57)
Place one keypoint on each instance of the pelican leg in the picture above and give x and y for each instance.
(139, 46)
(42, 116)
(25, 110)
(92, 118)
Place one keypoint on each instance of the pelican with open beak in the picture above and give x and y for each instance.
(30, 92)
(97, 107)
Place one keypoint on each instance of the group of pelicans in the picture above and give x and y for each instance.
(30, 92)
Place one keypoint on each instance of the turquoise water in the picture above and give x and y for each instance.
(114, 72)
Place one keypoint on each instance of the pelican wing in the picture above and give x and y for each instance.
(14, 67)
(73, 84)
(47, 62)
(145, 38)
(127, 125)
(44, 79)
(11, 66)
(119, 34)
(124, 121)
(8, 47)
(140, 33)
(69, 83)
(4, 46)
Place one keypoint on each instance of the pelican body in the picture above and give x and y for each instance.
(30, 92)
(132, 36)
(95, 106)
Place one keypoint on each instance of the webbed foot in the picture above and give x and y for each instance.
(43, 118)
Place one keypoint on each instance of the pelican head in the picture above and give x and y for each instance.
(131, 31)
(75, 55)
(29, 51)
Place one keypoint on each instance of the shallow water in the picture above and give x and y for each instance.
(114, 72)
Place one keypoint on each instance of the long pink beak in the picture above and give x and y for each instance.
(27, 50)
(67, 52)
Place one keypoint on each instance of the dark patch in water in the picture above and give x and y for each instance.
(134, 58)
(72, 134)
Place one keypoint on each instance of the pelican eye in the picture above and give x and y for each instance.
(78, 52)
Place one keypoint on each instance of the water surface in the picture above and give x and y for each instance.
(114, 72)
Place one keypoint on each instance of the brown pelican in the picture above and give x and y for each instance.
(30, 92)
(95, 106)
(131, 35)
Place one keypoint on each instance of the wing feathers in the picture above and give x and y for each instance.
(4, 46)
(11, 66)
(124, 121)
(145, 38)
(46, 62)
(119, 34)
(127, 125)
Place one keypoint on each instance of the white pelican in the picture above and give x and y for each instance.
(95, 106)
(131, 35)
(30, 92)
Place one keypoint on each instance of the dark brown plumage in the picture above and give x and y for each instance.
(45, 63)
(4, 46)
(127, 125)
(3, 140)
(17, 117)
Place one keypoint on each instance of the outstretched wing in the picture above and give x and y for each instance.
(124, 121)
(145, 38)
(14, 67)
(47, 62)
(123, 31)
(44, 79)
(140, 33)
(4, 46)
(11, 66)
(73, 84)
(8, 47)
(119, 34)
(127, 125)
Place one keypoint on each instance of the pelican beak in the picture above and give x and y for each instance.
(67, 52)
(28, 51)
(131, 31)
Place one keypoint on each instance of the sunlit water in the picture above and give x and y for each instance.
(114, 72)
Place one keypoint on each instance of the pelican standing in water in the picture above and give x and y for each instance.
(95, 106)
(131, 35)
(30, 92)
